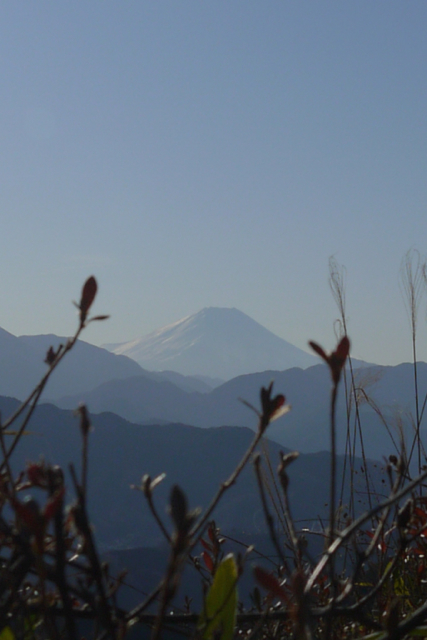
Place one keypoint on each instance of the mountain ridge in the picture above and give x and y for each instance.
(305, 428)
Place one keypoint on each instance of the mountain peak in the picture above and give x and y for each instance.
(218, 342)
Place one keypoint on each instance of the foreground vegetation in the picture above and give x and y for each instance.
(369, 580)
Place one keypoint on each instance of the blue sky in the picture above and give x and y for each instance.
(193, 154)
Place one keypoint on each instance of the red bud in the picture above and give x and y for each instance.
(88, 296)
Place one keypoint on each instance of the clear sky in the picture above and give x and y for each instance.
(193, 154)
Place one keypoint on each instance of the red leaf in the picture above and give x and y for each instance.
(29, 515)
(280, 408)
(53, 504)
(420, 513)
(270, 583)
(36, 473)
(318, 349)
(206, 545)
(343, 348)
(279, 401)
(208, 561)
(336, 359)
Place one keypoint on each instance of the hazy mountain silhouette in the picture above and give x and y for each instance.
(20, 366)
(215, 342)
(186, 383)
(84, 368)
(305, 428)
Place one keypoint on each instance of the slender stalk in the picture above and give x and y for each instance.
(337, 275)
(267, 514)
(412, 277)
(333, 466)
(278, 508)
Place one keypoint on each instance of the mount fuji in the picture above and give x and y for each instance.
(216, 343)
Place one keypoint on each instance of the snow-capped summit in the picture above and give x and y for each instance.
(216, 342)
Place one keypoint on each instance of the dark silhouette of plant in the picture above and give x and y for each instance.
(337, 275)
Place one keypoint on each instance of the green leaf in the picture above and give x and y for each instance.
(30, 624)
(220, 605)
(7, 634)
(400, 588)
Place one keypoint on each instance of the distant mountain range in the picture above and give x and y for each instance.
(120, 453)
(215, 342)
